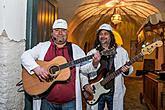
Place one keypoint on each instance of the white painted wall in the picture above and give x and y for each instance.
(13, 15)
(12, 45)
(1, 15)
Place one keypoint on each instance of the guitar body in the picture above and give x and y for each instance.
(99, 76)
(34, 86)
(98, 90)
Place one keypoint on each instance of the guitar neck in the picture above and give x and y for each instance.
(80, 60)
(119, 71)
(75, 62)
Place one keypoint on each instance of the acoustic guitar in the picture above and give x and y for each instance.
(58, 68)
(98, 83)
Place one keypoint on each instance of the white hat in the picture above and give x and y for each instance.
(60, 23)
(105, 27)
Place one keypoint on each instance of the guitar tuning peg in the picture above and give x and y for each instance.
(145, 44)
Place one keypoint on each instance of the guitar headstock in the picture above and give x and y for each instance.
(150, 48)
(107, 52)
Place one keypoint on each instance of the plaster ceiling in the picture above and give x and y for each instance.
(83, 22)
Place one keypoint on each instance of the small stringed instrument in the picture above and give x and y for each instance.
(58, 68)
(98, 83)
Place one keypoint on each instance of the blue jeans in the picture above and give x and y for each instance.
(28, 102)
(105, 99)
(46, 105)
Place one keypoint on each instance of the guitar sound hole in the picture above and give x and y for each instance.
(53, 69)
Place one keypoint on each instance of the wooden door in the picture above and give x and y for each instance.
(40, 17)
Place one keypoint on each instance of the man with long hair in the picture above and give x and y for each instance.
(114, 98)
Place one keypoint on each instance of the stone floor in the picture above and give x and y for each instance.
(132, 98)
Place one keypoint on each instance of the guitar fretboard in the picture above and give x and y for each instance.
(75, 62)
(80, 60)
(119, 71)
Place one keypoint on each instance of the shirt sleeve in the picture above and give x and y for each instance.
(28, 58)
(88, 66)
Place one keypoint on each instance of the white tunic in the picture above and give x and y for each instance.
(120, 59)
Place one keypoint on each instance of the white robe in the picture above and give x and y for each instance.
(38, 53)
(120, 59)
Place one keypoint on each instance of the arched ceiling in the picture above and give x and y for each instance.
(91, 13)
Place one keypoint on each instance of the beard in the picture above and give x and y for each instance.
(104, 41)
(60, 40)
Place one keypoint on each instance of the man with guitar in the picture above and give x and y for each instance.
(64, 94)
(109, 64)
